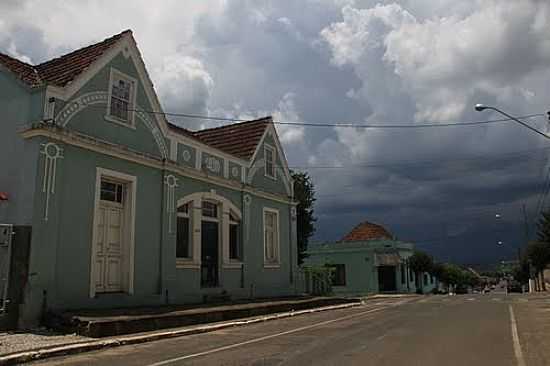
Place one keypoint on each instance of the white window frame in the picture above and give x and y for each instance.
(273, 162)
(225, 207)
(131, 188)
(116, 74)
(235, 222)
(277, 263)
(189, 216)
(218, 209)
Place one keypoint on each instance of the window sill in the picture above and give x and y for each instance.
(272, 265)
(117, 121)
(188, 264)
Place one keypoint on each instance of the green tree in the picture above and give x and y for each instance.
(521, 271)
(420, 262)
(304, 194)
(538, 254)
(543, 232)
(454, 276)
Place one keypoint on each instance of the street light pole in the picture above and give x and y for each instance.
(482, 107)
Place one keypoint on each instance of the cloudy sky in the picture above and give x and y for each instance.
(339, 61)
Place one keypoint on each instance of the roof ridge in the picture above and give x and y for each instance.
(110, 38)
(266, 120)
(16, 59)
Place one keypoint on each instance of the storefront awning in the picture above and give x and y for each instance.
(387, 259)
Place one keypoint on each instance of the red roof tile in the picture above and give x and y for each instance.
(239, 139)
(22, 70)
(367, 231)
(62, 70)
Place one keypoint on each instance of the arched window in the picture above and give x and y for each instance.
(196, 213)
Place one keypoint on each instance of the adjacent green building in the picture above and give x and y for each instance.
(126, 208)
(369, 260)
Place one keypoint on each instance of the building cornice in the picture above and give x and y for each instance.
(107, 148)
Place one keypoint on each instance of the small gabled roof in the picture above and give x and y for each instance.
(238, 139)
(367, 231)
(62, 70)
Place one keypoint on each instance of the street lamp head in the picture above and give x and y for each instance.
(480, 107)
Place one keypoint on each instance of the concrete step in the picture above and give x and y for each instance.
(111, 322)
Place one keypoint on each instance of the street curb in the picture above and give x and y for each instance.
(74, 348)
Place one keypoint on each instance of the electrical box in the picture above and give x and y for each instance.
(6, 232)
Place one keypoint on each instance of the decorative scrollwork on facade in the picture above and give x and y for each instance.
(212, 164)
(171, 183)
(101, 97)
(52, 152)
(186, 155)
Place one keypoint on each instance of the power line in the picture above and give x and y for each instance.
(503, 156)
(386, 125)
(345, 191)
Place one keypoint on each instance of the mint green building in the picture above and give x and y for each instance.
(368, 261)
(127, 209)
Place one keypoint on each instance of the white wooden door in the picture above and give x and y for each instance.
(109, 247)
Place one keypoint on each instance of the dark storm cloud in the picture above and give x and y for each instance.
(334, 61)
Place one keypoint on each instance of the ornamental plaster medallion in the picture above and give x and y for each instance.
(171, 183)
(235, 172)
(186, 155)
(52, 153)
(213, 164)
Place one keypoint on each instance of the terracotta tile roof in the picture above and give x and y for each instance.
(367, 231)
(239, 139)
(22, 70)
(62, 70)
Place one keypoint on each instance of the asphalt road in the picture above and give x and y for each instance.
(490, 329)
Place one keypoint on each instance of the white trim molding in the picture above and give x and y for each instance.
(72, 108)
(271, 149)
(52, 152)
(129, 236)
(171, 183)
(277, 238)
(225, 207)
(115, 74)
(103, 147)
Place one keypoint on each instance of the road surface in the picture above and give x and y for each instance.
(490, 329)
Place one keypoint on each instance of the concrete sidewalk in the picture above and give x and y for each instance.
(112, 322)
(85, 344)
